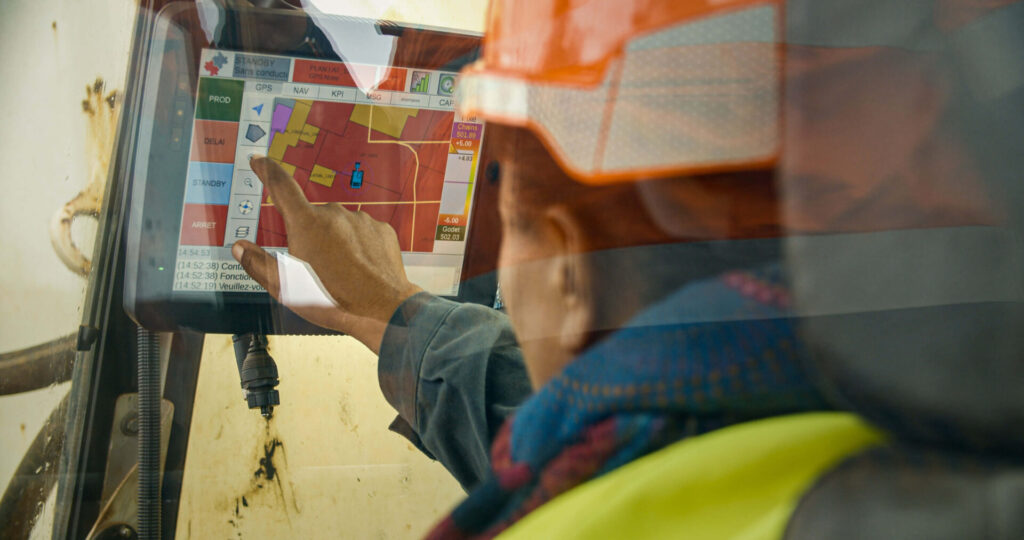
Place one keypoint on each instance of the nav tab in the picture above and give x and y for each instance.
(214, 141)
(337, 94)
(442, 102)
(378, 98)
(410, 100)
(301, 91)
(253, 66)
(219, 99)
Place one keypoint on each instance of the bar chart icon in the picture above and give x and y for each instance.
(420, 82)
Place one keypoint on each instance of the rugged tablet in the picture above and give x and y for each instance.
(360, 112)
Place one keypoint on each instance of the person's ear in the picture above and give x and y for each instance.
(572, 277)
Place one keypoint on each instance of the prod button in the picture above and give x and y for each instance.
(219, 99)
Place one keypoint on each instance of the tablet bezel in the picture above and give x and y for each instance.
(162, 132)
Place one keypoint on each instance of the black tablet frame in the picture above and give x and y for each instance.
(158, 166)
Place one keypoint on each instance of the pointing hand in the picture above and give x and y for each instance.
(356, 257)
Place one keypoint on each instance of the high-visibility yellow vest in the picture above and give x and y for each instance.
(740, 482)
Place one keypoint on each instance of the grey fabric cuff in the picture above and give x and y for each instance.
(402, 350)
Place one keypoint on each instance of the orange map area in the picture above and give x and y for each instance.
(401, 153)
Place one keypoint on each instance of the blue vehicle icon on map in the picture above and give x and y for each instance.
(357, 178)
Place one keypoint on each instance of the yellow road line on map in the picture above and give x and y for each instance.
(415, 178)
(369, 130)
(415, 174)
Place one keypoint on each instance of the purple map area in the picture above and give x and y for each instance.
(279, 122)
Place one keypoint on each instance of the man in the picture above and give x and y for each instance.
(645, 182)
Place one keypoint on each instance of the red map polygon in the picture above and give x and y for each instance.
(402, 176)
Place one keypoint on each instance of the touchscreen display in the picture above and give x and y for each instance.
(385, 140)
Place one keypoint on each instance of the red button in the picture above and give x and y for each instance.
(333, 73)
(214, 141)
(203, 225)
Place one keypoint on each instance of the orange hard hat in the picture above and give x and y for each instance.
(619, 90)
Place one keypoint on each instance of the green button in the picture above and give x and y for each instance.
(219, 99)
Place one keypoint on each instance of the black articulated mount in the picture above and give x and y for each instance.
(257, 371)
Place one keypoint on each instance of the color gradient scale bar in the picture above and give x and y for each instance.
(459, 174)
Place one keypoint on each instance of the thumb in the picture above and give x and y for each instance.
(260, 265)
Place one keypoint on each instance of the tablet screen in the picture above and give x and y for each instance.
(384, 140)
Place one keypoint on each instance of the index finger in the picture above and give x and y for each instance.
(284, 191)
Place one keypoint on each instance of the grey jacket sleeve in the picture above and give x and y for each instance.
(454, 373)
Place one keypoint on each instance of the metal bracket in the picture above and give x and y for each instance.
(119, 515)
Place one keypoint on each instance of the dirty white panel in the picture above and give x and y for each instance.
(338, 471)
(49, 51)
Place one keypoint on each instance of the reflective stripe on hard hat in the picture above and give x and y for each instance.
(698, 96)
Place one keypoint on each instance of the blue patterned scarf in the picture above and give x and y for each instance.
(666, 376)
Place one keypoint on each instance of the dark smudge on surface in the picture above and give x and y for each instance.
(267, 468)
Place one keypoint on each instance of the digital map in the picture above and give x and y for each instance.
(386, 161)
